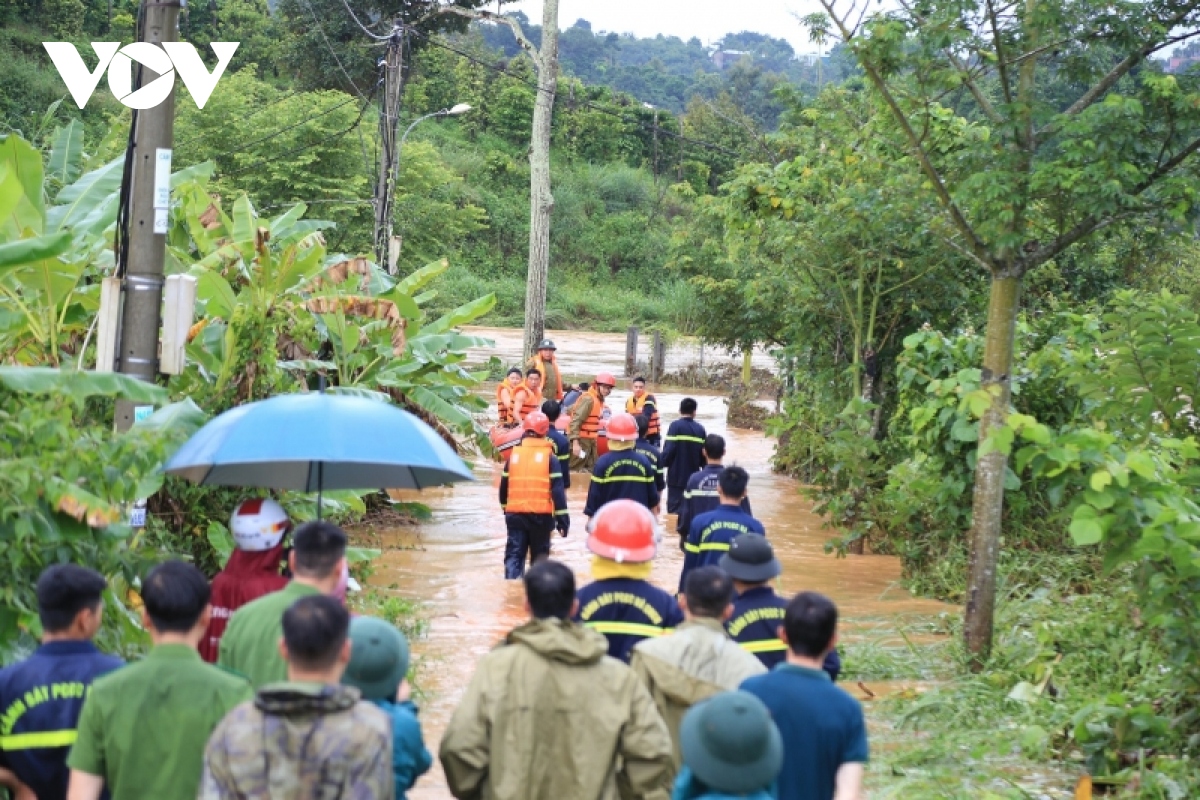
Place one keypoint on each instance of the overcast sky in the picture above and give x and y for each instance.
(708, 20)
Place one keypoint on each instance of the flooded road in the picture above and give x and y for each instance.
(453, 563)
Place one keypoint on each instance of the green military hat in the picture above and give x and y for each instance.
(731, 744)
(378, 658)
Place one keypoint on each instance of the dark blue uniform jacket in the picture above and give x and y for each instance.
(562, 451)
(683, 450)
(627, 611)
(700, 497)
(710, 534)
(621, 475)
(40, 701)
(757, 615)
(654, 456)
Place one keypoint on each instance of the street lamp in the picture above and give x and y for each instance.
(393, 242)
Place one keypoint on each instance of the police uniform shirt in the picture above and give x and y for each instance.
(710, 534)
(627, 611)
(683, 450)
(754, 624)
(40, 702)
(145, 726)
(621, 475)
(654, 456)
(562, 451)
(702, 496)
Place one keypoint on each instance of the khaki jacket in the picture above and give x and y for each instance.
(549, 716)
(695, 662)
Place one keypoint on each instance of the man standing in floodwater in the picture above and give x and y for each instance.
(682, 452)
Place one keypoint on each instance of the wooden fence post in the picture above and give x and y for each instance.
(631, 347)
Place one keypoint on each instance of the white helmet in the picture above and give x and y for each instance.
(259, 524)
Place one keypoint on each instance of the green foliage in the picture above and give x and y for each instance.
(69, 480)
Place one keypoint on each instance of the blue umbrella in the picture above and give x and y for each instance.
(315, 441)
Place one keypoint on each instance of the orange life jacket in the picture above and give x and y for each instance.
(529, 477)
(536, 362)
(530, 401)
(634, 405)
(506, 416)
(590, 429)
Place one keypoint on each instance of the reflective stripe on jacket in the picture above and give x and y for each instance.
(702, 496)
(757, 614)
(683, 450)
(627, 611)
(710, 535)
(621, 474)
(636, 405)
(529, 472)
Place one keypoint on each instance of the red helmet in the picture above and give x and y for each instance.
(622, 531)
(622, 428)
(606, 379)
(537, 422)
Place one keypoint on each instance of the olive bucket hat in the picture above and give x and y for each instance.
(378, 658)
(731, 744)
(750, 559)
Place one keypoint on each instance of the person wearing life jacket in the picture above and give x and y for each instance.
(711, 533)
(528, 397)
(254, 569)
(547, 366)
(585, 422)
(644, 404)
(562, 448)
(702, 493)
(652, 453)
(506, 396)
(622, 473)
(682, 452)
(620, 602)
(757, 610)
(533, 497)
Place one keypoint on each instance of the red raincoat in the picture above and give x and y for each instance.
(248, 576)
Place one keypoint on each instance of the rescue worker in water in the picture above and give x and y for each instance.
(585, 422)
(533, 497)
(620, 602)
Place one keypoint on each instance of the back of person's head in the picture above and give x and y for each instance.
(315, 630)
(708, 592)
(550, 590)
(643, 425)
(714, 447)
(687, 406)
(552, 409)
(64, 590)
(733, 481)
(175, 595)
(810, 622)
(584, 386)
(378, 658)
(318, 548)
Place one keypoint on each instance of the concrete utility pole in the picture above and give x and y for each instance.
(149, 197)
(386, 253)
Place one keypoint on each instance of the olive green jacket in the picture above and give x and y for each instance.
(695, 662)
(549, 715)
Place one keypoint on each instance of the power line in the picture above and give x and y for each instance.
(283, 130)
(587, 103)
(335, 137)
(365, 30)
(256, 111)
(329, 47)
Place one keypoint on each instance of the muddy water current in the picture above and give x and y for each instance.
(453, 562)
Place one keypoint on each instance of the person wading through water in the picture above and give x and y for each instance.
(585, 422)
(532, 497)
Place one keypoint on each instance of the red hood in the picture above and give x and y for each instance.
(245, 563)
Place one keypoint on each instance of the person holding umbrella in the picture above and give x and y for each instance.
(532, 497)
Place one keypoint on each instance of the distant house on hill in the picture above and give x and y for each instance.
(1179, 63)
(723, 58)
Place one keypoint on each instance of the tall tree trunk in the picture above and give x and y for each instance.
(541, 201)
(989, 470)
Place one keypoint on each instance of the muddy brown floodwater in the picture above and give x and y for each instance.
(452, 564)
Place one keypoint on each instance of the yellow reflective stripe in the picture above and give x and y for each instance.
(564, 512)
(691, 548)
(695, 439)
(615, 478)
(714, 546)
(32, 741)
(699, 493)
(625, 628)
(554, 475)
(764, 646)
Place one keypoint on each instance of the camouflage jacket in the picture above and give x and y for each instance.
(298, 740)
